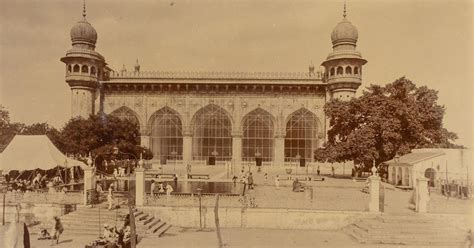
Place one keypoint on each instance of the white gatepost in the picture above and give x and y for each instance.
(89, 182)
(422, 195)
(374, 189)
(139, 186)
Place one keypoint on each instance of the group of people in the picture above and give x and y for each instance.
(161, 187)
(56, 230)
(115, 237)
(39, 182)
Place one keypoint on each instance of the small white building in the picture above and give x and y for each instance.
(436, 164)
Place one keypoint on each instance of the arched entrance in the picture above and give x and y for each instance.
(212, 135)
(166, 135)
(430, 173)
(301, 135)
(257, 136)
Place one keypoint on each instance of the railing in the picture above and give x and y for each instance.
(215, 75)
(192, 200)
(44, 197)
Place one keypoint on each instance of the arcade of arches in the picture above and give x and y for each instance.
(212, 139)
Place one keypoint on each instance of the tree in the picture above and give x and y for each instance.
(99, 134)
(7, 129)
(384, 121)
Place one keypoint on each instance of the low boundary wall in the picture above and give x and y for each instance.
(297, 219)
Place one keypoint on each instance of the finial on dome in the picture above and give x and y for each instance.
(84, 9)
(344, 14)
(137, 66)
(311, 69)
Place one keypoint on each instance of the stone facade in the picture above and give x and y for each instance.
(199, 117)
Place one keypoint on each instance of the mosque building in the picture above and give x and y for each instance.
(213, 117)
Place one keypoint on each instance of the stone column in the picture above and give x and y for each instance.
(139, 186)
(237, 148)
(145, 141)
(279, 150)
(422, 196)
(89, 182)
(187, 147)
(374, 188)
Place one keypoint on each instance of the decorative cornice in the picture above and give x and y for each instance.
(219, 75)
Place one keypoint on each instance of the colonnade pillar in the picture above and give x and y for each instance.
(187, 147)
(279, 150)
(237, 148)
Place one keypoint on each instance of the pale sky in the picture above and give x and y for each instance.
(430, 42)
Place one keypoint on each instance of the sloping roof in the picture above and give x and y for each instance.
(414, 158)
(28, 152)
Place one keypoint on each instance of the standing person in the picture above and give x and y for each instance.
(169, 189)
(265, 176)
(110, 198)
(152, 187)
(277, 181)
(318, 171)
(250, 180)
(57, 228)
(333, 171)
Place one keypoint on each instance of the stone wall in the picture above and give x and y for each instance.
(259, 218)
(36, 212)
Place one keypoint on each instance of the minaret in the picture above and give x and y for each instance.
(343, 67)
(84, 68)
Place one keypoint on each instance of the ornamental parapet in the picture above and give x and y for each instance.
(317, 76)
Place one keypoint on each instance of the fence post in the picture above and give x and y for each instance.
(218, 228)
(88, 182)
(422, 196)
(374, 188)
(139, 186)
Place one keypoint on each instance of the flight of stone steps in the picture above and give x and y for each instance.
(408, 230)
(90, 221)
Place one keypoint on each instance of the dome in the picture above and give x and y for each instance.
(83, 32)
(344, 32)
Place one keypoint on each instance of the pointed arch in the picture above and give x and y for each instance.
(258, 134)
(125, 113)
(301, 137)
(166, 135)
(212, 127)
(348, 70)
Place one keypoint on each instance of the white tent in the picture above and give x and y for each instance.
(29, 152)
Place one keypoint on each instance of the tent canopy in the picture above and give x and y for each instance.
(29, 152)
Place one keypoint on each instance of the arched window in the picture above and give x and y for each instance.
(332, 71)
(301, 135)
(348, 70)
(257, 136)
(76, 68)
(93, 70)
(340, 70)
(356, 70)
(69, 68)
(124, 113)
(399, 177)
(406, 177)
(212, 134)
(166, 135)
(394, 175)
(85, 69)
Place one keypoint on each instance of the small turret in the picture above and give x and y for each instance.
(344, 65)
(84, 68)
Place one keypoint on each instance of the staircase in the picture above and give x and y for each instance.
(148, 225)
(90, 221)
(407, 230)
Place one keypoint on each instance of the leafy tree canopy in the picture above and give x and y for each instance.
(384, 121)
(100, 133)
